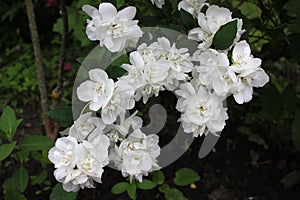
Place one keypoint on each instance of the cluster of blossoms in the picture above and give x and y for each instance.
(202, 80)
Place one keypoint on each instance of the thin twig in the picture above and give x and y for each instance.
(58, 91)
(39, 66)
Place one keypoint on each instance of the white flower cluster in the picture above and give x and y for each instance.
(157, 67)
(80, 157)
(115, 30)
(202, 80)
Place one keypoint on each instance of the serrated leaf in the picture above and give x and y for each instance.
(186, 176)
(6, 150)
(291, 179)
(18, 181)
(58, 193)
(35, 143)
(158, 177)
(119, 188)
(146, 185)
(62, 114)
(131, 190)
(225, 36)
(12, 194)
(9, 122)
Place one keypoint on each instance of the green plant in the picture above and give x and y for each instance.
(183, 177)
(14, 154)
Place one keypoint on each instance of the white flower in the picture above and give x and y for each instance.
(248, 79)
(117, 132)
(178, 60)
(248, 72)
(158, 3)
(84, 125)
(98, 91)
(92, 156)
(136, 156)
(78, 165)
(213, 71)
(242, 58)
(192, 6)
(115, 30)
(202, 112)
(147, 78)
(121, 100)
(210, 23)
(62, 154)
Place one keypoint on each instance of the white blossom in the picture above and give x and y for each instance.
(158, 3)
(248, 72)
(121, 100)
(210, 23)
(192, 6)
(202, 112)
(97, 91)
(119, 131)
(178, 60)
(78, 165)
(136, 156)
(85, 125)
(115, 30)
(147, 78)
(213, 71)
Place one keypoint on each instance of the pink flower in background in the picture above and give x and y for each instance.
(51, 3)
(67, 67)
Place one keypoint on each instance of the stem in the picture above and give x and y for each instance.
(39, 67)
(62, 56)
(58, 91)
(84, 108)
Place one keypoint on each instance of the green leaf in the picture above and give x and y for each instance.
(35, 180)
(18, 181)
(6, 149)
(9, 122)
(187, 19)
(62, 114)
(175, 194)
(58, 27)
(119, 188)
(12, 194)
(131, 190)
(171, 193)
(225, 36)
(146, 185)
(58, 193)
(186, 176)
(158, 177)
(258, 140)
(291, 179)
(35, 143)
(292, 7)
(250, 10)
(296, 130)
(120, 3)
